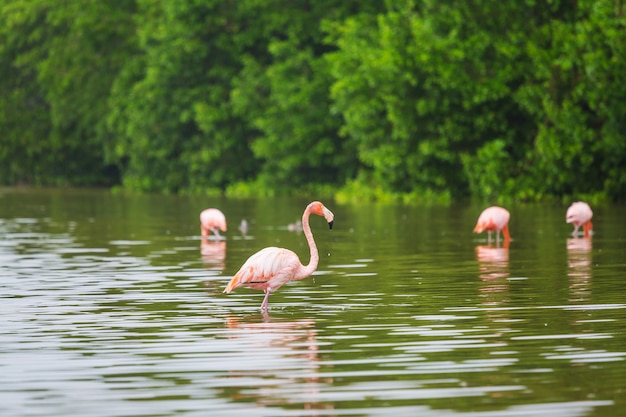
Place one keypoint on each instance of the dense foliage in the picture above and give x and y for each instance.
(523, 100)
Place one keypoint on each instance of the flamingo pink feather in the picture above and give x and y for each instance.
(212, 220)
(494, 219)
(580, 214)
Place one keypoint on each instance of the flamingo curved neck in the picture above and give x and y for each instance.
(308, 269)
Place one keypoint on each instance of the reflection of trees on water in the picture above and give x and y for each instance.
(579, 269)
(283, 355)
(213, 254)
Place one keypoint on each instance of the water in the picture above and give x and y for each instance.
(112, 306)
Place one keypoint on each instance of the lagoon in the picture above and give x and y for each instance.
(112, 305)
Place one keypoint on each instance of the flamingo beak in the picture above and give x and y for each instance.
(329, 216)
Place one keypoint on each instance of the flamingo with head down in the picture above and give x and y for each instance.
(494, 219)
(580, 214)
(212, 220)
(270, 268)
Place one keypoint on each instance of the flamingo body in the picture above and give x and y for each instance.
(494, 219)
(268, 269)
(212, 220)
(580, 214)
(272, 267)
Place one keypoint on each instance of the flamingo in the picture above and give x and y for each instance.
(496, 219)
(579, 213)
(212, 220)
(271, 267)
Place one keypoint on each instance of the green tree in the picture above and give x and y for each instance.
(60, 61)
(577, 97)
(171, 112)
(283, 92)
(496, 100)
(491, 99)
(24, 117)
(421, 86)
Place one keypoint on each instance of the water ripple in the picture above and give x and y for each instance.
(135, 323)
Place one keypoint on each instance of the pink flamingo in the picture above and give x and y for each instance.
(494, 219)
(579, 213)
(270, 268)
(212, 220)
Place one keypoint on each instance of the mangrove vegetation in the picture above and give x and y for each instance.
(521, 100)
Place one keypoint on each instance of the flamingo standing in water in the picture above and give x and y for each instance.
(494, 219)
(270, 268)
(212, 220)
(579, 213)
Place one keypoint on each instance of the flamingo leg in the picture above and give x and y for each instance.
(265, 300)
(587, 228)
(505, 233)
(575, 232)
(489, 237)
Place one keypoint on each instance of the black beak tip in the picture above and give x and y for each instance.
(330, 224)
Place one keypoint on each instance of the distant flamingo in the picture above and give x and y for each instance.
(212, 220)
(494, 219)
(579, 213)
(270, 268)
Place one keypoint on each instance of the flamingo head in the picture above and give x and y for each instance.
(318, 208)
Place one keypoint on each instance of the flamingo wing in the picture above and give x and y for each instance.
(501, 218)
(269, 268)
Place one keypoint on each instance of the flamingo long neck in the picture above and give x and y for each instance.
(307, 270)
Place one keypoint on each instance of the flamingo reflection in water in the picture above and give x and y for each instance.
(213, 254)
(579, 268)
(284, 355)
(493, 265)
